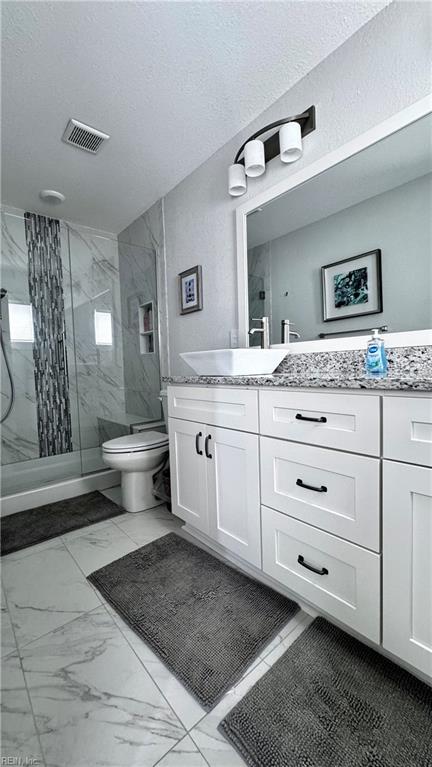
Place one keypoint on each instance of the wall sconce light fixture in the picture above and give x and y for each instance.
(285, 139)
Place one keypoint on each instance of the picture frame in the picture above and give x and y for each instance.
(191, 293)
(352, 287)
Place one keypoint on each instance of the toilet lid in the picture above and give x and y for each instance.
(133, 443)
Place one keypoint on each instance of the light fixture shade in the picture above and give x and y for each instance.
(254, 158)
(236, 180)
(290, 142)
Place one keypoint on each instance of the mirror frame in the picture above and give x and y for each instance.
(401, 119)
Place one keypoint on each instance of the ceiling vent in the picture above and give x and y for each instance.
(84, 137)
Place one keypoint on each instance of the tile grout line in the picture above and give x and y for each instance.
(18, 653)
(196, 724)
(297, 626)
(127, 534)
(300, 625)
(24, 553)
(187, 732)
(196, 744)
(173, 747)
(119, 628)
(84, 612)
(102, 604)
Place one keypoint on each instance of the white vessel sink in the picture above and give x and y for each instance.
(234, 362)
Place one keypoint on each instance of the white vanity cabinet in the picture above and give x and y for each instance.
(328, 496)
(407, 531)
(188, 472)
(215, 484)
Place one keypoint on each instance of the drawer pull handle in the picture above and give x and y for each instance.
(321, 419)
(321, 489)
(209, 455)
(301, 562)
(197, 443)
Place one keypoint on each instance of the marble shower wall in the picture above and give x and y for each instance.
(259, 279)
(143, 278)
(19, 433)
(99, 367)
(20, 439)
(107, 380)
(96, 387)
(141, 370)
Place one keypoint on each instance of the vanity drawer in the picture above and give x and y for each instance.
(229, 407)
(343, 421)
(344, 581)
(337, 492)
(408, 429)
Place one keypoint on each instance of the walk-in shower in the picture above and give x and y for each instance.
(70, 378)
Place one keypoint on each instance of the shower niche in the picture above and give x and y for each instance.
(146, 328)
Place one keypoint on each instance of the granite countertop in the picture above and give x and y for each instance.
(317, 382)
(409, 369)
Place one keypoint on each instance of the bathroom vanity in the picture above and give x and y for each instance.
(318, 480)
(325, 495)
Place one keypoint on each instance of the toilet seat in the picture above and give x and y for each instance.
(136, 443)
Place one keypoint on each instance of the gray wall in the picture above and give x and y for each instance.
(398, 222)
(379, 71)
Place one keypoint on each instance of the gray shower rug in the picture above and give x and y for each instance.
(26, 528)
(330, 701)
(206, 621)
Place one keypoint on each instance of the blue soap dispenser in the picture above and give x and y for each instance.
(376, 359)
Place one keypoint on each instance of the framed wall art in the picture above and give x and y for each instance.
(190, 283)
(352, 287)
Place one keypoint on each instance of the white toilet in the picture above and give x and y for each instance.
(137, 456)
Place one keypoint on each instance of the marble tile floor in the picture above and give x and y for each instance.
(79, 688)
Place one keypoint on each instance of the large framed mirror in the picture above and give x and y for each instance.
(345, 245)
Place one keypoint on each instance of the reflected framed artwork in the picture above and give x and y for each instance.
(190, 283)
(352, 287)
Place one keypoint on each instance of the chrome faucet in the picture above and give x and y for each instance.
(264, 330)
(286, 332)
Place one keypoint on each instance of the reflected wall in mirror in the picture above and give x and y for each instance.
(377, 200)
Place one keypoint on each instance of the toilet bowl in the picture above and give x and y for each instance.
(138, 457)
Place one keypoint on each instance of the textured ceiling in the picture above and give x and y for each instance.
(171, 82)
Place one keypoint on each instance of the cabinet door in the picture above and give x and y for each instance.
(188, 472)
(407, 563)
(233, 492)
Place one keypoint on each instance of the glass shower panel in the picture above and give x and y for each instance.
(80, 328)
(97, 321)
(40, 437)
(139, 301)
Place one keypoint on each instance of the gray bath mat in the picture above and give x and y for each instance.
(204, 619)
(18, 531)
(331, 701)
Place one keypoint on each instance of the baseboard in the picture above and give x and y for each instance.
(30, 499)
